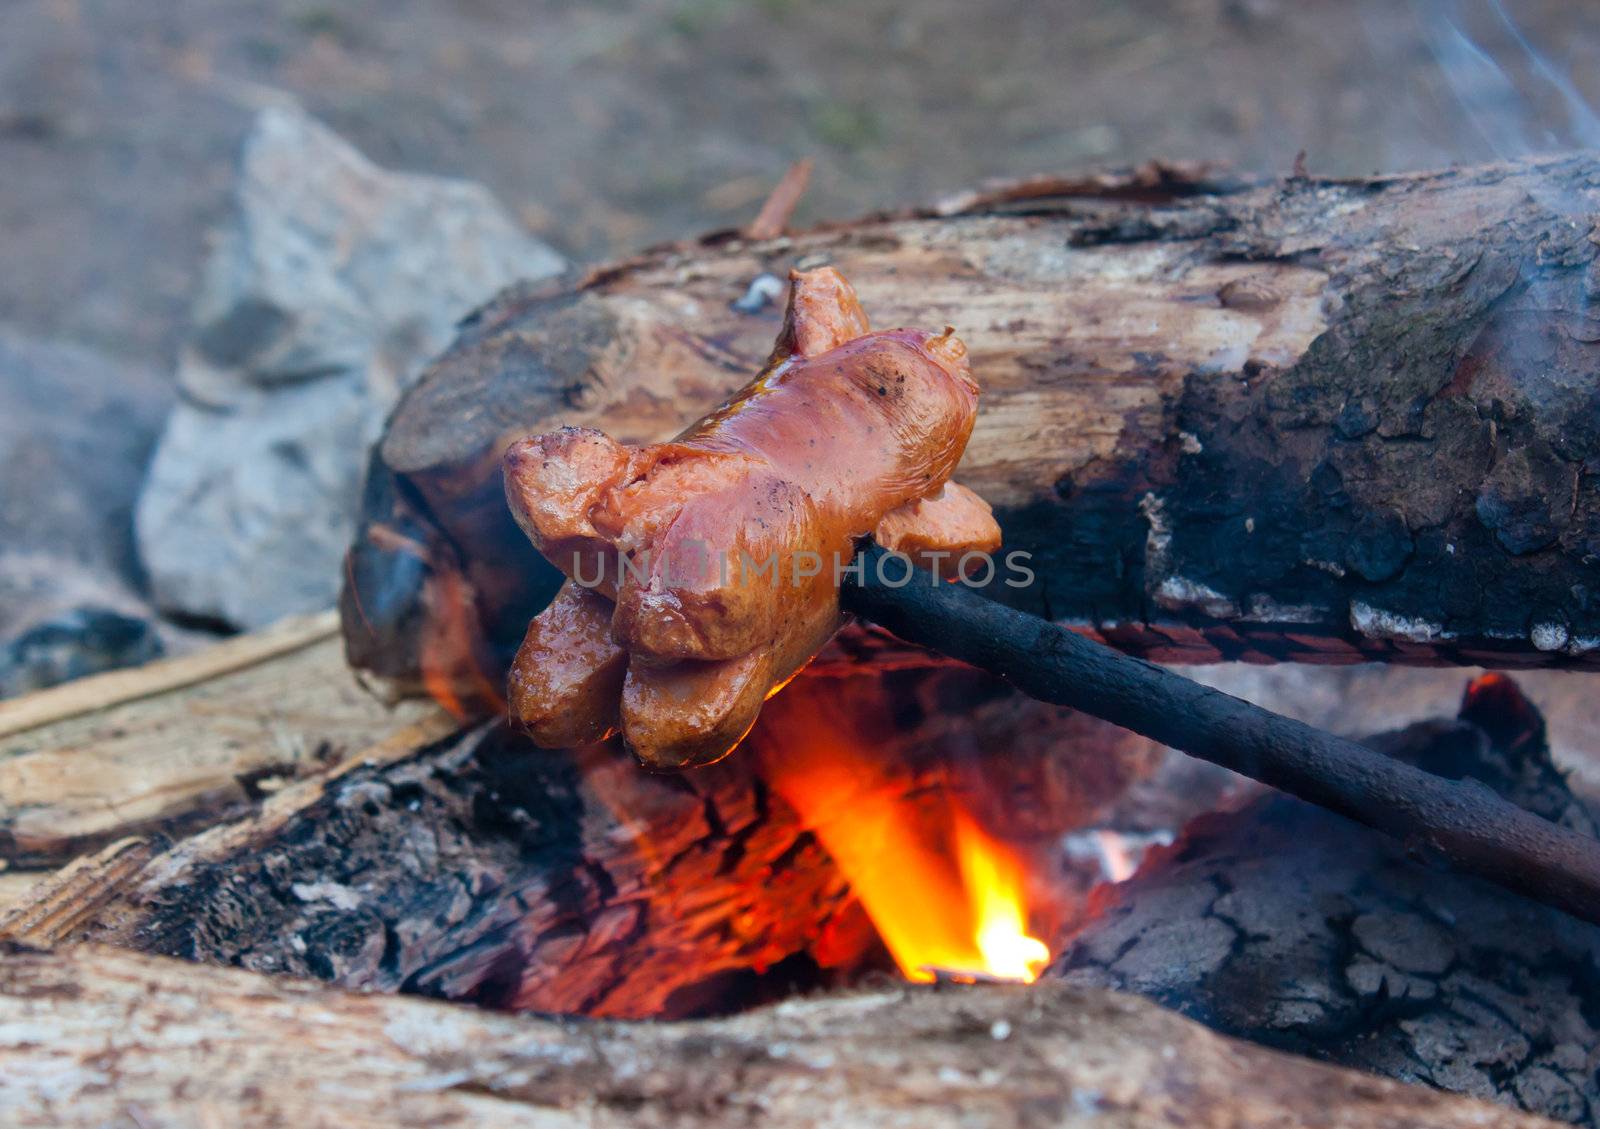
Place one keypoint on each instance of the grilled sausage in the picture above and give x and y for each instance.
(719, 552)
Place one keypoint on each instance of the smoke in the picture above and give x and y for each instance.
(1583, 126)
(1521, 104)
(1503, 98)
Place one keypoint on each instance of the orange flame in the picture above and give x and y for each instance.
(947, 899)
(994, 883)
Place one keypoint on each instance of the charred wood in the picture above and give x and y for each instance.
(481, 868)
(1462, 823)
(1288, 926)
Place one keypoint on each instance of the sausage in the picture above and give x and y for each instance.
(717, 554)
(566, 682)
(937, 531)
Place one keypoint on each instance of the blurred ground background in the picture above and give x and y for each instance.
(607, 126)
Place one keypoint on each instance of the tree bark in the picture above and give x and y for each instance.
(91, 1036)
(1313, 420)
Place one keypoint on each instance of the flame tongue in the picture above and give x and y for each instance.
(946, 898)
(993, 882)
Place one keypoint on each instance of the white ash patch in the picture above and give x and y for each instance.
(1158, 541)
(1503, 634)
(361, 793)
(1375, 623)
(1264, 609)
(1228, 358)
(1177, 593)
(338, 896)
(1548, 636)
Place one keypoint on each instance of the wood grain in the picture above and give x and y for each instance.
(177, 744)
(92, 1036)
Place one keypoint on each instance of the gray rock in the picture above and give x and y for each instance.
(36, 587)
(334, 284)
(76, 431)
(77, 643)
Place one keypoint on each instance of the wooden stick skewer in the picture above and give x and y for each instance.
(1461, 821)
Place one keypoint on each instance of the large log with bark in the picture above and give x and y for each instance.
(91, 1037)
(1312, 420)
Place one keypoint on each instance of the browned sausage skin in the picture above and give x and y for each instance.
(715, 554)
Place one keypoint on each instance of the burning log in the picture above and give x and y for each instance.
(480, 868)
(473, 866)
(1296, 929)
(843, 430)
(93, 1036)
(1316, 420)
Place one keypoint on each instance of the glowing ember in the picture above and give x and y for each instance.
(946, 898)
(452, 669)
(1115, 860)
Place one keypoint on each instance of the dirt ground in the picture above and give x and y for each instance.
(612, 125)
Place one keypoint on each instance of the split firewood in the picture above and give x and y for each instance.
(705, 572)
(91, 1037)
(1316, 420)
(176, 745)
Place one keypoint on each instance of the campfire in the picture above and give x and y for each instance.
(946, 895)
(765, 709)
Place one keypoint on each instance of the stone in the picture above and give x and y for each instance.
(77, 643)
(76, 431)
(333, 285)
